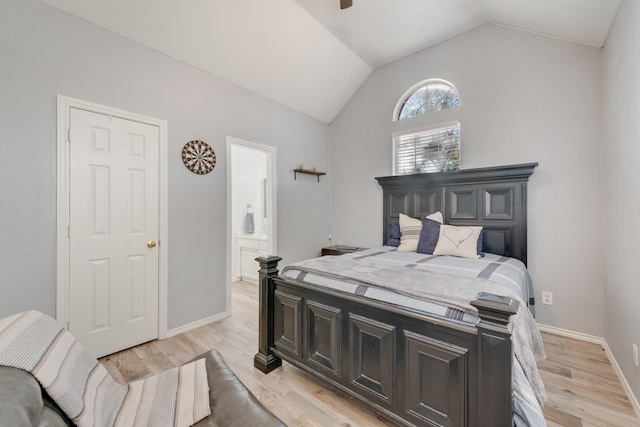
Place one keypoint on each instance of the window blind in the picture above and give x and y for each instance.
(432, 150)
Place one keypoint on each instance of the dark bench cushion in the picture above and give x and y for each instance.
(232, 404)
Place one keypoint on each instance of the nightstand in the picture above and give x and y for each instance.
(340, 250)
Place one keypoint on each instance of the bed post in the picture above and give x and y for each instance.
(494, 361)
(265, 360)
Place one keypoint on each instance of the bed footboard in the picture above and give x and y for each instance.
(412, 369)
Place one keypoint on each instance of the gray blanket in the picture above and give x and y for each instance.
(445, 289)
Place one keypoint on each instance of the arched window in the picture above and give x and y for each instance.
(433, 149)
(428, 97)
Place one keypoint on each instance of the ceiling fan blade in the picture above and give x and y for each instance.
(345, 4)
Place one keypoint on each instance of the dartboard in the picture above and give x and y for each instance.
(198, 157)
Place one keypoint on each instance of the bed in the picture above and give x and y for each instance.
(411, 366)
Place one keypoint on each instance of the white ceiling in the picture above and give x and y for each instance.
(312, 56)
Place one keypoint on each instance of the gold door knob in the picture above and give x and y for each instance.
(151, 244)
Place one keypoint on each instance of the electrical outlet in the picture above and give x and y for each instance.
(635, 354)
(547, 298)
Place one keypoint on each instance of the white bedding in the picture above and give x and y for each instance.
(508, 272)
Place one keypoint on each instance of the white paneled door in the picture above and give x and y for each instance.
(113, 233)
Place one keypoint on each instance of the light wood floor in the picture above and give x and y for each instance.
(582, 388)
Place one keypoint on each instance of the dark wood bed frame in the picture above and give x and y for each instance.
(410, 368)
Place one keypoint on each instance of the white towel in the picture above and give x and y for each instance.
(249, 226)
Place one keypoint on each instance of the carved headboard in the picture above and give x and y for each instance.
(495, 198)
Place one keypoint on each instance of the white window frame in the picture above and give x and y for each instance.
(412, 90)
(397, 135)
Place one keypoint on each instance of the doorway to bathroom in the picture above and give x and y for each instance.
(251, 209)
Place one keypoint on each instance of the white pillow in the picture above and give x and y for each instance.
(410, 229)
(437, 216)
(458, 241)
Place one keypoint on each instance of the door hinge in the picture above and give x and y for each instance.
(69, 231)
(69, 134)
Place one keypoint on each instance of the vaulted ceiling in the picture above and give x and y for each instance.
(312, 56)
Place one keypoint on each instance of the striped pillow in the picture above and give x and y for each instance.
(410, 229)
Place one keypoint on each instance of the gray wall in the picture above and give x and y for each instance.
(44, 52)
(621, 126)
(524, 98)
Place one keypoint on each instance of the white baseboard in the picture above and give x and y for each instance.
(623, 380)
(197, 324)
(598, 340)
(571, 334)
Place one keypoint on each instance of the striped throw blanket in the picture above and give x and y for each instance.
(83, 388)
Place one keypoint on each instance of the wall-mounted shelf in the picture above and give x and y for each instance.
(310, 172)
